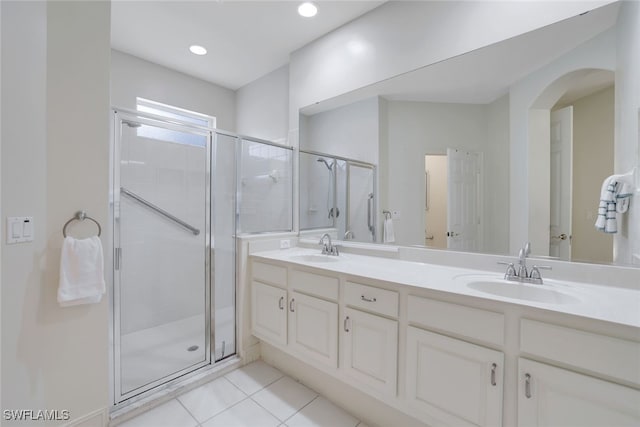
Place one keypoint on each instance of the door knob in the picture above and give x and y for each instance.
(560, 237)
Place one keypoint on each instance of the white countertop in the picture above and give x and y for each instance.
(601, 302)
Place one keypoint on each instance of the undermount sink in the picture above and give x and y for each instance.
(315, 258)
(537, 293)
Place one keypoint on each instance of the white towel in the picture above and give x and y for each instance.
(614, 197)
(388, 235)
(81, 272)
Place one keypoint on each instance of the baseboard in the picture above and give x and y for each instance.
(97, 418)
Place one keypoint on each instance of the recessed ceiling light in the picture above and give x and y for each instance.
(307, 9)
(197, 50)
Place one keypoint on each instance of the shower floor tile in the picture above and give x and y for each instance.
(255, 395)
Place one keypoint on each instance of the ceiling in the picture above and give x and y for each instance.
(245, 39)
(483, 75)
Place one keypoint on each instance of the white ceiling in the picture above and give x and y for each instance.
(245, 39)
(481, 76)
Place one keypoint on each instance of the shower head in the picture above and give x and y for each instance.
(320, 159)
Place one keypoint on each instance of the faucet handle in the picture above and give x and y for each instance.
(535, 271)
(511, 269)
(534, 274)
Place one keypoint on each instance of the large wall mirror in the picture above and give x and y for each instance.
(449, 139)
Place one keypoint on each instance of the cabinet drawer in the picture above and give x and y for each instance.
(271, 274)
(457, 319)
(314, 284)
(371, 299)
(613, 357)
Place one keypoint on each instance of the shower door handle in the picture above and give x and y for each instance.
(370, 212)
(117, 258)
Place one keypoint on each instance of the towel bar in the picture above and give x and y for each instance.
(80, 216)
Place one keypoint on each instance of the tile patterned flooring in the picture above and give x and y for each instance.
(256, 395)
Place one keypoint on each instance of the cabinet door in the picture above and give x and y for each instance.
(453, 381)
(268, 313)
(550, 396)
(313, 328)
(370, 350)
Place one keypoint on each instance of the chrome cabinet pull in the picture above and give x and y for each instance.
(281, 303)
(527, 386)
(493, 374)
(291, 309)
(346, 319)
(363, 298)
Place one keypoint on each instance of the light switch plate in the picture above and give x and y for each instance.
(20, 229)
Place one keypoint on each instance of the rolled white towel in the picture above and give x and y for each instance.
(614, 198)
(388, 236)
(81, 272)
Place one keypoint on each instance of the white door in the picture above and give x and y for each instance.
(435, 230)
(268, 313)
(463, 200)
(550, 396)
(454, 382)
(560, 179)
(313, 329)
(370, 350)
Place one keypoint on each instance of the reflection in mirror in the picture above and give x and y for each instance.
(337, 193)
(469, 148)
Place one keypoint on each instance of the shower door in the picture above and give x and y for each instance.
(361, 217)
(161, 195)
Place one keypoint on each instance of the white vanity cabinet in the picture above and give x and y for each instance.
(441, 357)
(313, 329)
(298, 310)
(550, 396)
(449, 379)
(370, 341)
(268, 303)
(268, 313)
(313, 317)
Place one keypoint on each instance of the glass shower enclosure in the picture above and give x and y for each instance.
(173, 199)
(337, 193)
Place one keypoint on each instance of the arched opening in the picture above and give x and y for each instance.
(571, 151)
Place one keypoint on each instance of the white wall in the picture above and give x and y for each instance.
(496, 176)
(598, 53)
(366, 51)
(539, 182)
(55, 145)
(593, 150)
(262, 107)
(627, 241)
(419, 128)
(350, 131)
(133, 77)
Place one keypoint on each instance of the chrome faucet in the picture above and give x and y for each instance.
(525, 251)
(327, 247)
(521, 274)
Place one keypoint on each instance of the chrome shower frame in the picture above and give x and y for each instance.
(118, 115)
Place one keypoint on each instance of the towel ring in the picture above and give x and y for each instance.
(80, 216)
